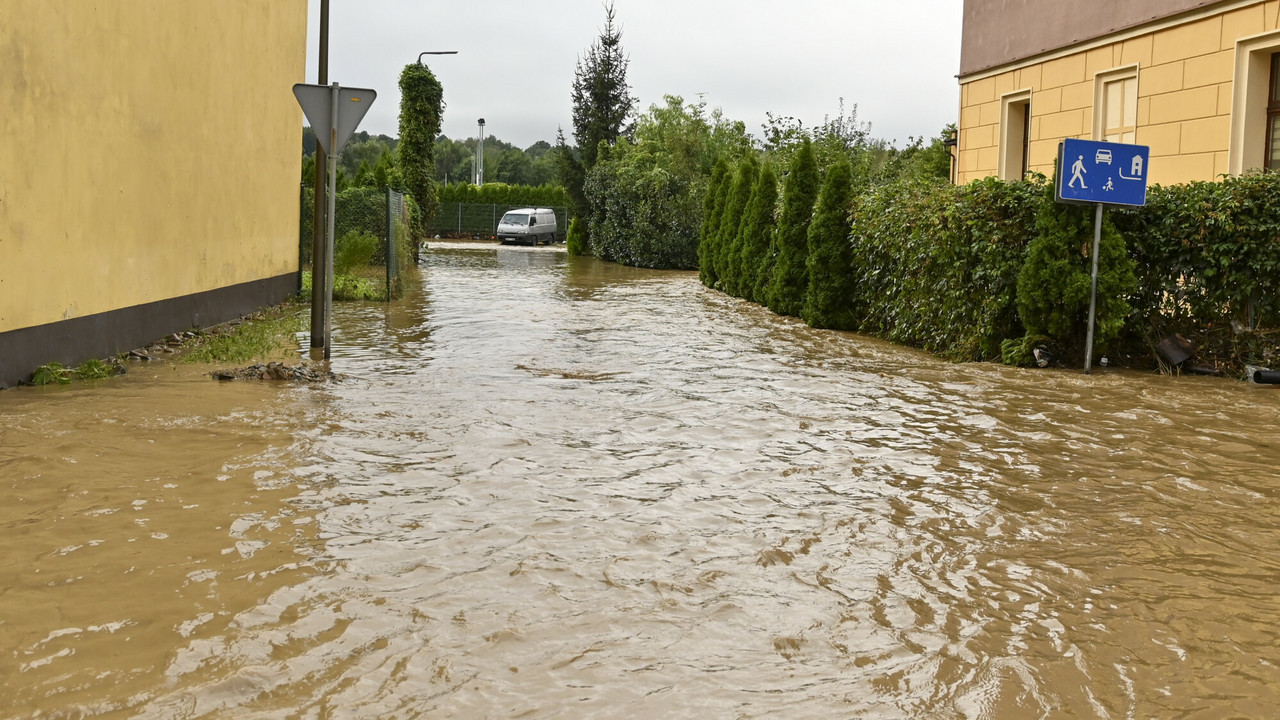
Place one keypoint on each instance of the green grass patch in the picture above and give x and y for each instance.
(264, 336)
(360, 284)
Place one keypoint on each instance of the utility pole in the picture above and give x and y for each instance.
(319, 259)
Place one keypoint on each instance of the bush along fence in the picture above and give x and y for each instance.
(371, 246)
(996, 270)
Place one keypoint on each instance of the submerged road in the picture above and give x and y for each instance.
(551, 487)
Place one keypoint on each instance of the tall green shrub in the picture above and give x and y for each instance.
(642, 214)
(576, 240)
(790, 278)
(1054, 284)
(421, 107)
(713, 208)
(831, 283)
(757, 237)
(735, 207)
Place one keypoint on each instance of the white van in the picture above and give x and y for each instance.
(527, 226)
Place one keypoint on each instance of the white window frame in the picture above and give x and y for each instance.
(1250, 93)
(1100, 82)
(1014, 143)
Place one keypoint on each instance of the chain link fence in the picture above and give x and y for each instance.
(480, 220)
(371, 243)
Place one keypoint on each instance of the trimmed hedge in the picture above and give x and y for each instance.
(967, 271)
(503, 194)
(937, 265)
(1207, 253)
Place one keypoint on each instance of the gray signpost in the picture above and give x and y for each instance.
(1100, 173)
(334, 113)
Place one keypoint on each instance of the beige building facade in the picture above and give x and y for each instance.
(1197, 81)
(149, 181)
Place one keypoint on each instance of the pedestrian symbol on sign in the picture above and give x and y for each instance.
(1077, 173)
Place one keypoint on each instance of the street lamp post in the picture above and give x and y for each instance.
(480, 160)
(435, 52)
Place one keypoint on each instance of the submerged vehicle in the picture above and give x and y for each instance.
(527, 226)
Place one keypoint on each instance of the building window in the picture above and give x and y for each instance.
(1015, 135)
(1115, 117)
(1273, 116)
(1254, 105)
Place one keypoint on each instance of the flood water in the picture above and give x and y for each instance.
(555, 488)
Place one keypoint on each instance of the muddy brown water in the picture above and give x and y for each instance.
(552, 487)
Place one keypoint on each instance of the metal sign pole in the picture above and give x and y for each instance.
(340, 110)
(318, 331)
(329, 226)
(1093, 293)
(1100, 173)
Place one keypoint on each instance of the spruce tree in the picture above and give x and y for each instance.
(828, 301)
(731, 222)
(601, 97)
(790, 279)
(602, 102)
(757, 235)
(713, 208)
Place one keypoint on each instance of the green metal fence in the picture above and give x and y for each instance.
(480, 220)
(370, 225)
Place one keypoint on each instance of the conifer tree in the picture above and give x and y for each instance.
(601, 97)
(602, 102)
(1055, 280)
(731, 222)
(757, 236)
(828, 301)
(790, 278)
(713, 208)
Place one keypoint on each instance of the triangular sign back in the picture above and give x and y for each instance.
(317, 105)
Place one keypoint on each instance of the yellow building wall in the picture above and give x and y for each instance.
(150, 151)
(1185, 76)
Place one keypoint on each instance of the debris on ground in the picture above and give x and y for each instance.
(276, 371)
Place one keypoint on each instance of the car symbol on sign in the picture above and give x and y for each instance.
(1104, 156)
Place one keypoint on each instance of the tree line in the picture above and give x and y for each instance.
(848, 232)
(638, 183)
(366, 153)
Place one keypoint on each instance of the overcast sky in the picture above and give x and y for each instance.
(895, 59)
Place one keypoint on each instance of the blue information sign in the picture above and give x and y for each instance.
(1102, 172)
